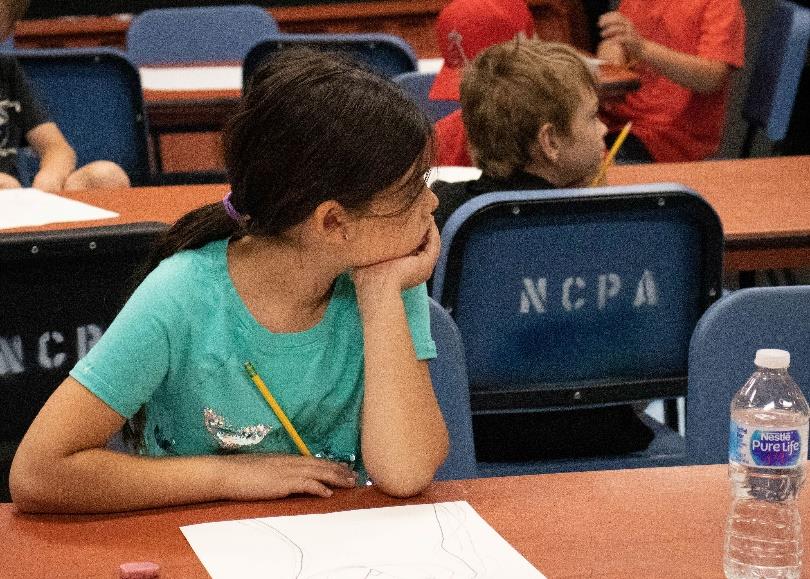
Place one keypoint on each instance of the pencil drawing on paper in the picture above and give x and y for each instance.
(447, 553)
(432, 541)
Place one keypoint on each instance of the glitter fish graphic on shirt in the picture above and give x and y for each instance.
(230, 438)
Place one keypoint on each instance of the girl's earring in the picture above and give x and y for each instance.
(345, 235)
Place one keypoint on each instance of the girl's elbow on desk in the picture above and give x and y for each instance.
(403, 487)
(407, 480)
(30, 487)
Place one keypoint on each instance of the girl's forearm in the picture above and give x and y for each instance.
(103, 481)
(403, 437)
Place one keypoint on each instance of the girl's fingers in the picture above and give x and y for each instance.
(433, 247)
(610, 18)
(614, 31)
(327, 471)
(435, 241)
(332, 477)
(409, 270)
(316, 464)
(311, 487)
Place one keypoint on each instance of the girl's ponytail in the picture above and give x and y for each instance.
(191, 231)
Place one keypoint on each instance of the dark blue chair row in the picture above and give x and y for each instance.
(95, 95)
(249, 33)
(246, 34)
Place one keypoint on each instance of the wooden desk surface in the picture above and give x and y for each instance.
(205, 112)
(764, 205)
(665, 522)
(169, 109)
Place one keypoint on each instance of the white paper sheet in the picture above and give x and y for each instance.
(450, 174)
(435, 541)
(30, 207)
(593, 62)
(192, 78)
(429, 64)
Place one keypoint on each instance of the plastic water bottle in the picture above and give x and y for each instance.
(767, 454)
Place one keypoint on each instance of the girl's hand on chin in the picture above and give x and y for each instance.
(403, 272)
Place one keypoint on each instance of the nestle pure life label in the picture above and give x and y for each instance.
(768, 447)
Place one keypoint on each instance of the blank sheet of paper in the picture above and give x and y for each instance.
(30, 207)
(191, 78)
(433, 65)
(435, 541)
(450, 174)
(214, 77)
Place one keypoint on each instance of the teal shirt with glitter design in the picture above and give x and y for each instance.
(179, 346)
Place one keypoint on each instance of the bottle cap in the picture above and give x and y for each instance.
(776, 359)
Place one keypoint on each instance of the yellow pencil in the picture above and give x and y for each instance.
(285, 422)
(608, 160)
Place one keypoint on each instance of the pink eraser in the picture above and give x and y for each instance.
(139, 570)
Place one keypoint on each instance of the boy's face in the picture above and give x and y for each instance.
(582, 150)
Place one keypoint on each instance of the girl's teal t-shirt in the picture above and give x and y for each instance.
(179, 346)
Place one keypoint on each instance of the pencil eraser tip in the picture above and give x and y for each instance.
(139, 570)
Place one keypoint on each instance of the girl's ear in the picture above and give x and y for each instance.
(547, 144)
(330, 221)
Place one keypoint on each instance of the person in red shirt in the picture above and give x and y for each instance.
(685, 53)
(463, 29)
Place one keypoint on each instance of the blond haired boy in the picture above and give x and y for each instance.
(531, 113)
(530, 109)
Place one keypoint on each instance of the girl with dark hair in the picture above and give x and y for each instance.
(312, 268)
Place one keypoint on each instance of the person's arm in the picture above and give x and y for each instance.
(9, 181)
(611, 51)
(57, 157)
(403, 437)
(62, 466)
(693, 72)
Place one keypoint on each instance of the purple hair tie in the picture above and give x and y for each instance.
(231, 210)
